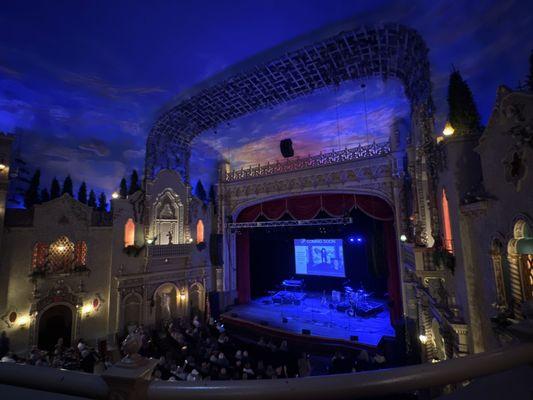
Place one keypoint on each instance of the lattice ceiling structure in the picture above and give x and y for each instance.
(290, 71)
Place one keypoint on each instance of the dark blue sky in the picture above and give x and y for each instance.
(81, 81)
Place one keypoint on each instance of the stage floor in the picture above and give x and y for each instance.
(319, 319)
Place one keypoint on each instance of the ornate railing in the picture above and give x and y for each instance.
(321, 160)
(170, 250)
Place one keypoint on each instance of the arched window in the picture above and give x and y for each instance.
(520, 257)
(61, 254)
(199, 231)
(129, 233)
(448, 239)
(497, 265)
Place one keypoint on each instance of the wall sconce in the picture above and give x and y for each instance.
(423, 339)
(2, 166)
(87, 309)
(149, 240)
(23, 320)
(115, 195)
(448, 129)
(182, 295)
(403, 238)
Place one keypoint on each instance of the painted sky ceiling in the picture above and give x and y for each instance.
(336, 117)
(80, 83)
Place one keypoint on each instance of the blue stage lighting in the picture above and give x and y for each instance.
(355, 239)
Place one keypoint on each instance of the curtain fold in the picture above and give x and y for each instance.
(243, 266)
(308, 206)
(393, 280)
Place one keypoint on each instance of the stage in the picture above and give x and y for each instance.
(313, 315)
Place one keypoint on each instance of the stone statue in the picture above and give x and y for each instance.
(169, 236)
(165, 306)
(167, 212)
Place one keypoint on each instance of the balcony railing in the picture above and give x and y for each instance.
(133, 382)
(170, 250)
(321, 160)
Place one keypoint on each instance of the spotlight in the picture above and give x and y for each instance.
(356, 239)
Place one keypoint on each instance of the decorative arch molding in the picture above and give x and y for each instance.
(236, 210)
(60, 294)
(289, 71)
(520, 260)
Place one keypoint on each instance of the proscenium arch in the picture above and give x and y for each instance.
(289, 71)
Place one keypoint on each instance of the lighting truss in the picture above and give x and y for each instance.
(276, 224)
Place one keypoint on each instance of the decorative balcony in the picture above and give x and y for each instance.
(298, 164)
(170, 250)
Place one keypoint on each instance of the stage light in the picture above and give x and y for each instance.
(403, 238)
(356, 239)
(423, 339)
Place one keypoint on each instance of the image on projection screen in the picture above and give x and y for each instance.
(322, 257)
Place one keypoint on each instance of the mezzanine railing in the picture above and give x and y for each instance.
(321, 160)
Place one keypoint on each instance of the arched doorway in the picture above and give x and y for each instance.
(55, 323)
(132, 312)
(166, 303)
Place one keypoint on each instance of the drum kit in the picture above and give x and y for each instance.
(357, 300)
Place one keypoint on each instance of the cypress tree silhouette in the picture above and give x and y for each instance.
(102, 202)
(123, 189)
(31, 196)
(67, 186)
(529, 81)
(55, 189)
(92, 199)
(134, 182)
(45, 196)
(199, 191)
(212, 194)
(462, 111)
(82, 193)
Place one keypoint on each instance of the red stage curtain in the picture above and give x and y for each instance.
(274, 209)
(304, 207)
(337, 205)
(249, 214)
(243, 266)
(374, 207)
(393, 280)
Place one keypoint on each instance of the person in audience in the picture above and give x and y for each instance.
(304, 365)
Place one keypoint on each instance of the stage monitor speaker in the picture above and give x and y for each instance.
(264, 323)
(354, 338)
(284, 320)
(286, 148)
(306, 332)
(215, 249)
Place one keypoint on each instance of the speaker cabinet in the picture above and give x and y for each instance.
(286, 148)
